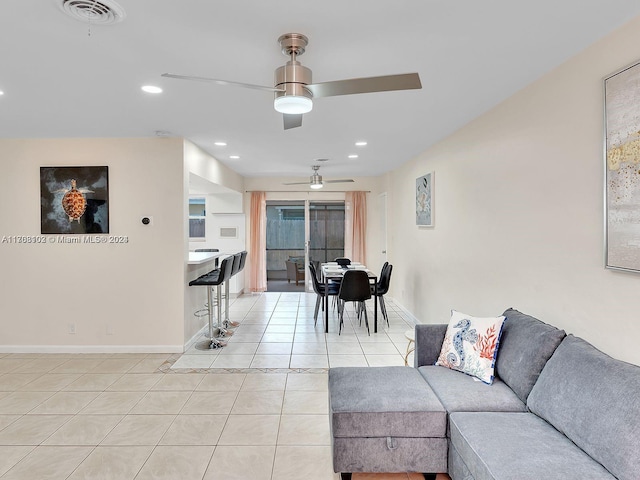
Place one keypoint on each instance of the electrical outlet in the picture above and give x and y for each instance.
(109, 329)
(72, 328)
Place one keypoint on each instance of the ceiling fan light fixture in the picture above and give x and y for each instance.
(315, 180)
(292, 104)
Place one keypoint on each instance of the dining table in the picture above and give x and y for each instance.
(333, 271)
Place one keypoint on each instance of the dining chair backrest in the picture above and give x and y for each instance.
(342, 261)
(355, 286)
(314, 276)
(385, 279)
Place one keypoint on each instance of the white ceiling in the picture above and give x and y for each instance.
(59, 81)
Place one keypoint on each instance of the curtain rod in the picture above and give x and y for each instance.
(307, 191)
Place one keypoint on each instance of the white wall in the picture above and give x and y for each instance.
(133, 290)
(519, 211)
(198, 162)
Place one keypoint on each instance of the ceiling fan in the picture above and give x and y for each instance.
(294, 92)
(315, 180)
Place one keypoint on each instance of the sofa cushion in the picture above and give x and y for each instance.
(471, 344)
(383, 402)
(429, 339)
(461, 393)
(525, 346)
(504, 446)
(593, 399)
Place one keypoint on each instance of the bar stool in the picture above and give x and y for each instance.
(237, 258)
(243, 259)
(214, 278)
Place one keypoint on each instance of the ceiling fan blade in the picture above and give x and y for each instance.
(344, 180)
(292, 120)
(296, 183)
(386, 83)
(222, 82)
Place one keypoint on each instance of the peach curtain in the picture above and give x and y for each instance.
(258, 243)
(355, 226)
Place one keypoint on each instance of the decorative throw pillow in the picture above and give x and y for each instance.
(471, 345)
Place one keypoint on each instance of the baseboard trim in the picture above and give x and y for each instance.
(409, 315)
(91, 348)
(195, 337)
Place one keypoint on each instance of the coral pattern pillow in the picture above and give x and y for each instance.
(471, 345)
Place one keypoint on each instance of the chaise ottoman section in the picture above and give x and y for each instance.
(385, 419)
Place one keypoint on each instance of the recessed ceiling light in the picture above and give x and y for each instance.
(234, 157)
(220, 144)
(151, 89)
(1, 92)
(353, 156)
(361, 144)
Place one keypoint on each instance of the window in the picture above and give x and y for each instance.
(197, 217)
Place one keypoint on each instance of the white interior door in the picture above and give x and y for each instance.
(382, 211)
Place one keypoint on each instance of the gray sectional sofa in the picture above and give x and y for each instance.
(557, 409)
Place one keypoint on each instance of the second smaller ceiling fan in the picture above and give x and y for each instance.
(315, 180)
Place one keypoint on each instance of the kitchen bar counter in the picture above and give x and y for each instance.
(198, 258)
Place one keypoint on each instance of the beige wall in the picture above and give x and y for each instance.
(133, 290)
(519, 211)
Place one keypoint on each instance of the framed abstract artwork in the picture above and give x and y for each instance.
(424, 200)
(74, 200)
(622, 169)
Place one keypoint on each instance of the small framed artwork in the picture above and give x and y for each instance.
(74, 200)
(424, 200)
(622, 169)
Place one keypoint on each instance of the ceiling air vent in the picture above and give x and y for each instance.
(103, 12)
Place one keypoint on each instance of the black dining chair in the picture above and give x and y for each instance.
(319, 288)
(355, 287)
(382, 288)
(343, 261)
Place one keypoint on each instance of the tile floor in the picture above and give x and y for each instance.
(277, 331)
(133, 416)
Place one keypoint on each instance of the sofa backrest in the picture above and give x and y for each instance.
(525, 346)
(594, 400)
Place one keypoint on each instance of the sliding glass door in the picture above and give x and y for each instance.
(298, 233)
(285, 246)
(326, 231)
